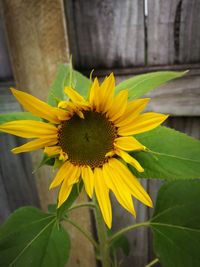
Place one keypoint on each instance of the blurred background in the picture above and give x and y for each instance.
(127, 37)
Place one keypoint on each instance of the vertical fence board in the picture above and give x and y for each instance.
(189, 32)
(172, 32)
(160, 31)
(106, 33)
(5, 68)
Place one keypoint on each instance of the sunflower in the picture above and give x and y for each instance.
(92, 137)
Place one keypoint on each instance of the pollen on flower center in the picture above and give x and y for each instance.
(87, 141)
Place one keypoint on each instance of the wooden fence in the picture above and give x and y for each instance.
(128, 37)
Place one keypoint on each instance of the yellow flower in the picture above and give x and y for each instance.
(92, 137)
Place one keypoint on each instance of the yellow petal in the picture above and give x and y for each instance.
(74, 95)
(63, 104)
(127, 158)
(132, 110)
(65, 170)
(36, 106)
(120, 191)
(130, 181)
(29, 129)
(56, 150)
(128, 143)
(107, 92)
(67, 185)
(53, 150)
(102, 194)
(64, 192)
(34, 145)
(93, 92)
(118, 106)
(88, 179)
(143, 123)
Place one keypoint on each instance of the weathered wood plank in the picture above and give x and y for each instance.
(106, 33)
(160, 32)
(5, 68)
(189, 32)
(180, 97)
(172, 32)
(195, 68)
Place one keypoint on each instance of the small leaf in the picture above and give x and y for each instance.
(6, 117)
(174, 155)
(144, 83)
(176, 224)
(32, 238)
(56, 92)
(81, 83)
(46, 160)
(66, 76)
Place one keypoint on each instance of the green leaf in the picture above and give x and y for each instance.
(46, 160)
(71, 199)
(174, 155)
(56, 92)
(144, 83)
(6, 117)
(66, 76)
(121, 243)
(81, 83)
(176, 224)
(32, 238)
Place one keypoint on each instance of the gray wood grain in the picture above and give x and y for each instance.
(160, 31)
(189, 32)
(172, 31)
(5, 66)
(106, 33)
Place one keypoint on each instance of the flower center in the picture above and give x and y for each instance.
(87, 141)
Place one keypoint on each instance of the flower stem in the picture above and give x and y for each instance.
(85, 233)
(127, 229)
(153, 262)
(82, 205)
(102, 236)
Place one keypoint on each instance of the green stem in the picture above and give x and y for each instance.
(84, 232)
(127, 229)
(102, 236)
(153, 262)
(82, 205)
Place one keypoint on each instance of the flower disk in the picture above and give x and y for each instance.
(87, 140)
(92, 139)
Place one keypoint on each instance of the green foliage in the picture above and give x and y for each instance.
(6, 117)
(46, 160)
(176, 224)
(121, 243)
(33, 238)
(144, 83)
(56, 92)
(81, 83)
(174, 155)
(66, 76)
